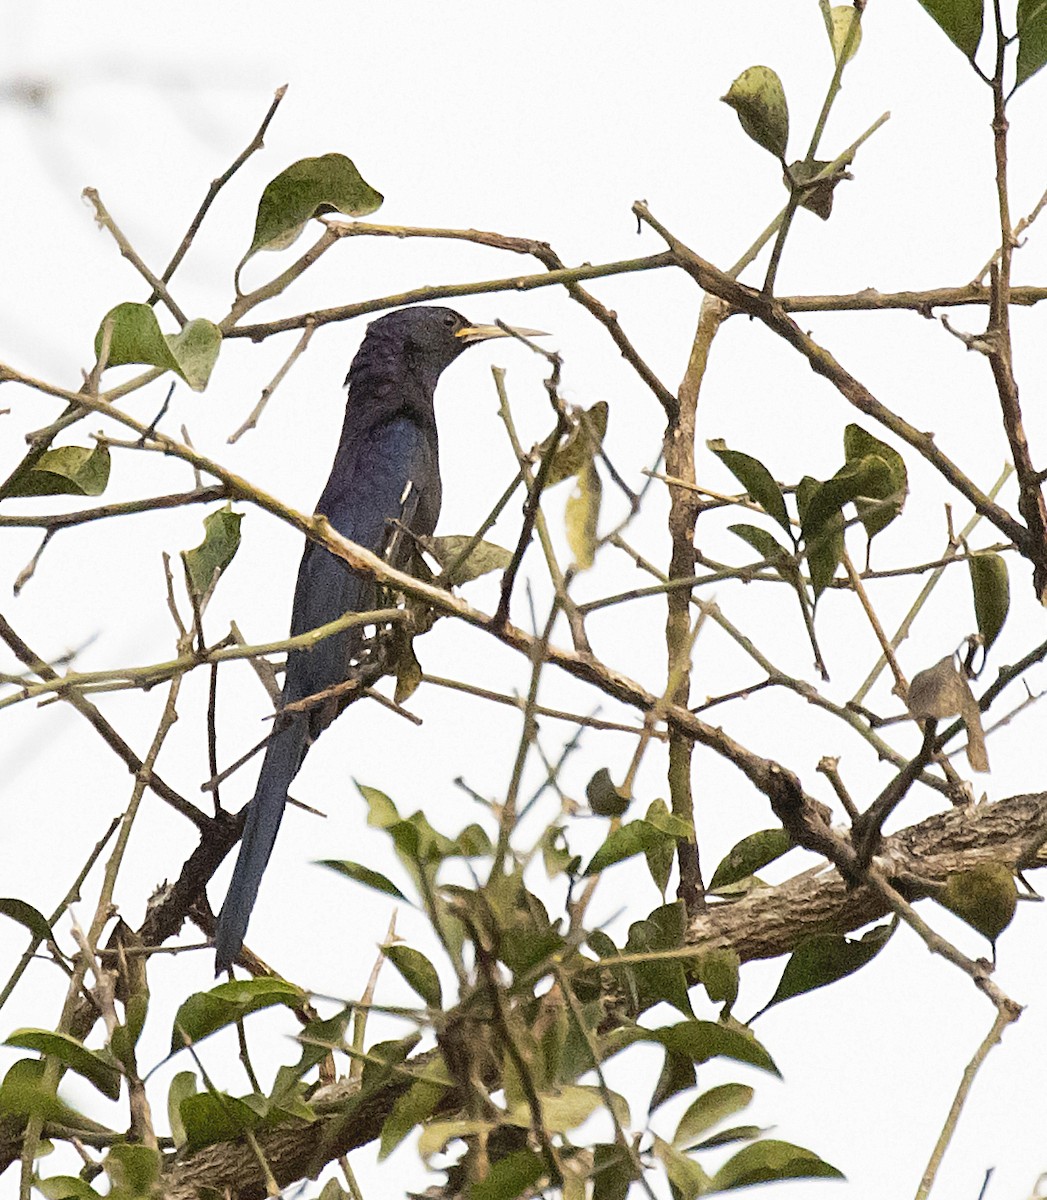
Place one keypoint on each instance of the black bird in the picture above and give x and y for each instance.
(386, 469)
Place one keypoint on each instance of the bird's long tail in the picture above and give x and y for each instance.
(283, 756)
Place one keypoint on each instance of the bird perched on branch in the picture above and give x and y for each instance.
(386, 470)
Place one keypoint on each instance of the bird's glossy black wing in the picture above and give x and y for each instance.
(385, 467)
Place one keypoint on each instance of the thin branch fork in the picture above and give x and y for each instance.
(772, 314)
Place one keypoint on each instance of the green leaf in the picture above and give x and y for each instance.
(26, 1093)
(582, 515)
(704, 1040)
(206, 1012)
(677, 1075)
(1032, 38)
(878, 514)
(333, 1190)
(612, 1172)
(660, 978)
(381, 811)
(307, 188)
(825, 958)
(825, 549)
(509, 1177)
(985, 897)
(661, 856)
(483, 557)
(758, 482)
(136, 338)
(686, 1178)
(580, 447)
(710, 1109)
(869, 476)
(718, 969)
(418, 972)
(605, 799)
(216, 551)
(133, 1169)
(765, 544)
(183, 1085)
(992, 594)
(409, 1110)
(364, 875)
(843, 16)
(769, 1160)
(65, 471)
(210, 1117)
(757, 96)
(568, 1108)
(28, 916)
(65, 1187)
(92, 1065)
(750, 855)
(960, 20)
(636, 837)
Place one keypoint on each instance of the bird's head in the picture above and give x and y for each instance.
(428, 338)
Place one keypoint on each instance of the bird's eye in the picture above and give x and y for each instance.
(451, 320)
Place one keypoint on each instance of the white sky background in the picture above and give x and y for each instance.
(546, 121)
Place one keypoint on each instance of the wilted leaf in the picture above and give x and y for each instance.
(65, 471)
(417, 971)
(579, 447)
(582, 515)
(960, 20)
(825, 958)
(757, 96)
(992, 593)
(94, 1066)
(750, 855)
(484, 557)
(406, 667)
(985, 897)
(843, 17)
(818, 196)
(943, 691)
(307, 188)
(216, 551)
(758, 482)
(605, 799)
